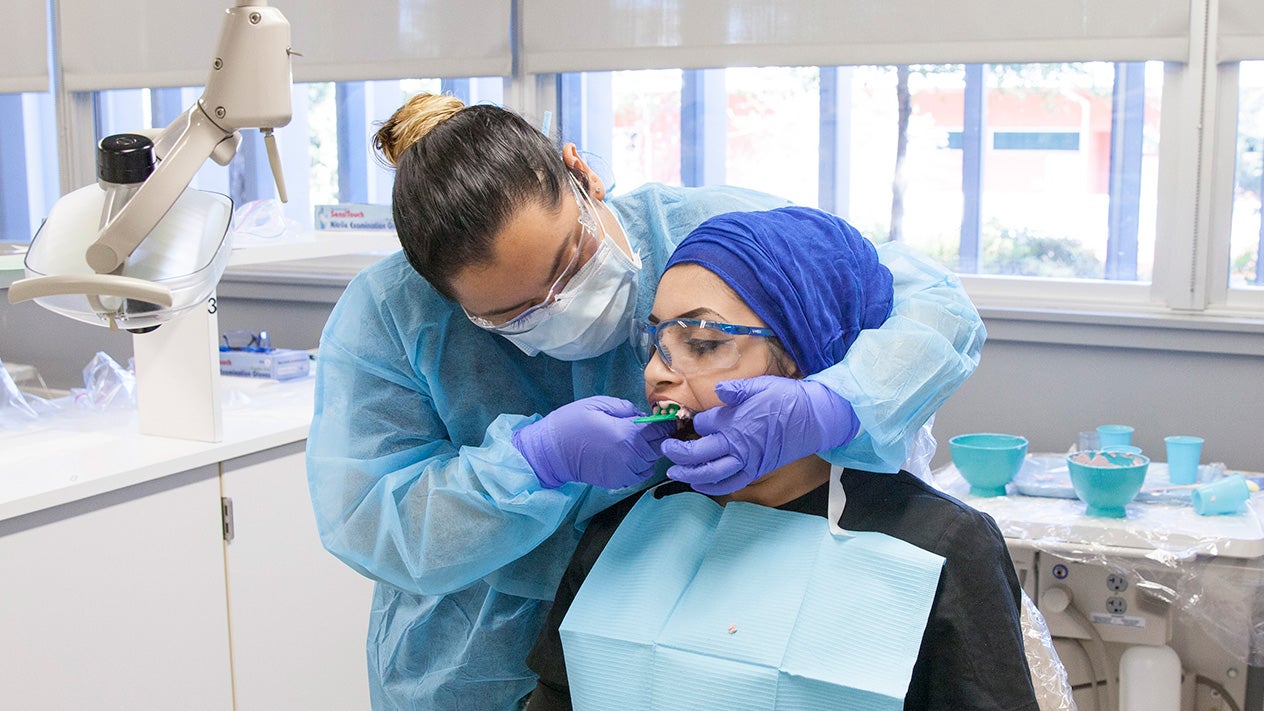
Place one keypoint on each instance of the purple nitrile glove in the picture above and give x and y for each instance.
(593, 441)
(765, 422)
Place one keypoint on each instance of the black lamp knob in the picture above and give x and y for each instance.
(125, 158)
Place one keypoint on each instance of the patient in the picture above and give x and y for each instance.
(784, 293)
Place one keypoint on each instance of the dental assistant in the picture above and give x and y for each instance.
(513, 296)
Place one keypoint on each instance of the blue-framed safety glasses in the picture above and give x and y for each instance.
(689, 345)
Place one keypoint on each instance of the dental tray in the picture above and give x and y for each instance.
(1048, 476)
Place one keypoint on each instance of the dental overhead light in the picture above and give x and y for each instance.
(139, 248)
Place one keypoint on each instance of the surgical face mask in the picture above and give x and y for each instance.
(591, 315)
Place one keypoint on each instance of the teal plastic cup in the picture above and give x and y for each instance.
(1183, 453)
(988, 461)
(1107, 481)
(1110, 435)
(1223, 496)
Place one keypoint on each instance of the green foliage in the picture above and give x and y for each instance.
(1250, 166)
(1045, 77)
(1022, 252)
(946, 253)
(1017, 252)
(1246, 266)
(877, 233)
(323, 142)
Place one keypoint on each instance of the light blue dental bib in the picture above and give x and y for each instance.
(700, 606)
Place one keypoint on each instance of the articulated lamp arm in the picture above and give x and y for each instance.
(248, 87)
(123, 234)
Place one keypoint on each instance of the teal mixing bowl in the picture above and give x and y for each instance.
(988, 461)
(1107, 480)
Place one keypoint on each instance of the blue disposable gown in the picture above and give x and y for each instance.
(416, 484)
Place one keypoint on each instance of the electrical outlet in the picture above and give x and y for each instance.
(1116, 582)
(1113, 602)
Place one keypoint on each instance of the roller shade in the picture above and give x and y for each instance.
(399, 39)
(128, 44)
(123, 44)
(1240, 31)
(577, 35)
(25, 65)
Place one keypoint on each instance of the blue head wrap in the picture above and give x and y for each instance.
(810, 276)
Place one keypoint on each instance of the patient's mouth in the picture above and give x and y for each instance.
(684, 418)
(664, 407)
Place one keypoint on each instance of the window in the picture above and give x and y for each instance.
(28, 164)
(1033, 170)
(1037, 182)
(326, 150)
(345, 81)
(1247, 231)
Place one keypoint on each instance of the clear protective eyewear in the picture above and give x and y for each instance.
(591, 231)
(243, 340)
(689, 345)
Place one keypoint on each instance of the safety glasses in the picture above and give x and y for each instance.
(689, 345)
(591, 232)
(242, 340)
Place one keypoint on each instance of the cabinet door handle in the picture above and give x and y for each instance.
(226, 512)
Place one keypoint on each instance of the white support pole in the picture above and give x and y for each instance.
(177, 377)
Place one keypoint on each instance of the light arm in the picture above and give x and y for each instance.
(249, 86)
(131, 225)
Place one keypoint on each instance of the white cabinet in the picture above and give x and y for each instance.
(298, 615)
(117, 601)
(131, 599)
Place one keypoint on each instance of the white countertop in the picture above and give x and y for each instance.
(67, 457)
(1155, 530)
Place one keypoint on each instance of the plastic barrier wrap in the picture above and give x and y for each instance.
(1048, 676)
(106, 386)
(1162, 544)
(14, 404)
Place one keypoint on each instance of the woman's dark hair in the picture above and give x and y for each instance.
(461, 174)
(780, 361)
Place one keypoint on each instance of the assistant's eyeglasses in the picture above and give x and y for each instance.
(689, 346)
(591, 232)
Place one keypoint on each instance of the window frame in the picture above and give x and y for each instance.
(708, 139)
(1227, 299)
(1197, 148)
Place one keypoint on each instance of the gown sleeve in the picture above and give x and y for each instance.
(396, 500)
(897, 376)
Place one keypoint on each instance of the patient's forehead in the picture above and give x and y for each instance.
(687, 290)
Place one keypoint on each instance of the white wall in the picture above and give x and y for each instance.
(1044, 379)
(1048, 381)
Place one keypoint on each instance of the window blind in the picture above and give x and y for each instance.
(124, 44)
(400, 39)
(1240, 32)
(579, 35)
(25, 65)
